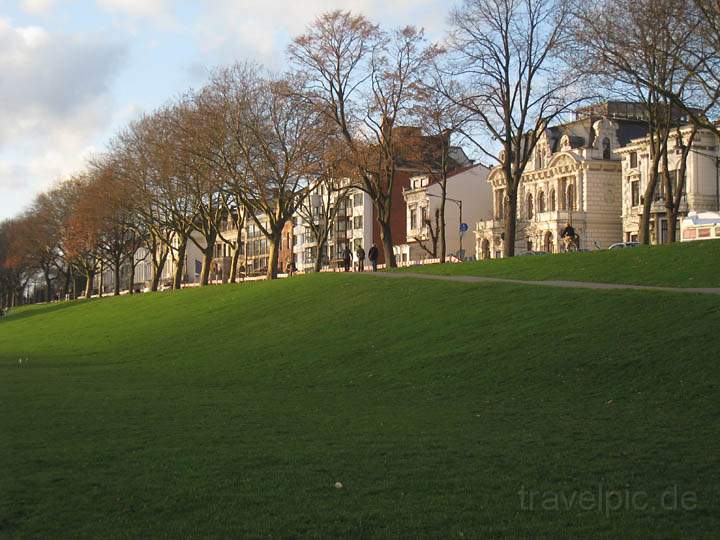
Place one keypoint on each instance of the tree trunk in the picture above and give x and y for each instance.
(319, 257)
(208, 253)
(131, 278)
(206, 266)
(48, 284)
(116, 274)
(90, 279)
(177, 278)
(274, 255)
(649, 194)
(443, 239)
(158, 266)
(510, 224)
(232, 278)
(386, 237)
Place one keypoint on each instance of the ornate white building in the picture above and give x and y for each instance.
(702, 184)
(574, 177)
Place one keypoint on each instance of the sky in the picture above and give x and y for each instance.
(73, 72)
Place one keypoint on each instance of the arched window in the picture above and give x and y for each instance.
(606, 148)
(529, 208)
(553, 202)
(571, 197)
(541, 202)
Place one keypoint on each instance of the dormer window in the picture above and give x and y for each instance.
(606, 148)
(633, 160)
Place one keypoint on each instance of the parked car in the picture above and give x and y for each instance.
(624, 245)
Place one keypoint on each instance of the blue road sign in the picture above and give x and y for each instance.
(463, 227)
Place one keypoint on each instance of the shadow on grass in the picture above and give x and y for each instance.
(33, 311)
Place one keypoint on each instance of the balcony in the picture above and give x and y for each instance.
(558, 215)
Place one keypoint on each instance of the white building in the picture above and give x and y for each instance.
(352, 227)
(702, 188)
(575, 177)
(467, 191)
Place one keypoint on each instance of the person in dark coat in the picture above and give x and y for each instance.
(373, 256)
(347, 258)
(568, 236)
(361, 258)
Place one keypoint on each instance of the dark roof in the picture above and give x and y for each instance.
(630, 129)
(627, 130)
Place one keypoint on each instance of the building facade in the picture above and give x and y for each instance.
(574, 177)
(468, 193)
(702, 187)
(352, 226)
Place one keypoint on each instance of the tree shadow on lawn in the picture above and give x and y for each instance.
(33, 311)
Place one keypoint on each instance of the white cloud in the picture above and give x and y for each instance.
(37, 7)
(54, 102)
(137, 8)
(229, 29)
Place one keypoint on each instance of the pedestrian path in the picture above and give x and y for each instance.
(550, 283)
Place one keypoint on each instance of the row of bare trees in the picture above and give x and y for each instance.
(249, 146)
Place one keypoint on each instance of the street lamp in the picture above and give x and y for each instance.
(460, 225)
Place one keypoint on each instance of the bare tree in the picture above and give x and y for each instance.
(319, 209)
(174, 204)
(638, 49)
(270, 147)
(83, 231)
(122, 232)
(143, 167)
(506, 59)
(441, 117)
(365, 81)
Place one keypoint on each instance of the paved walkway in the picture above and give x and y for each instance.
(552, 283)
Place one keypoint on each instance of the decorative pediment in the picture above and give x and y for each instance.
(564, 159)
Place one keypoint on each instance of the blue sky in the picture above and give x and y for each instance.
(75, 71)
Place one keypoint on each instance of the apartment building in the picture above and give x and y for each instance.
(351, 227)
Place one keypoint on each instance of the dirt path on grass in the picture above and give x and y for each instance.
(550, 283)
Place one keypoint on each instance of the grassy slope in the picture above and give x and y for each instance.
(691, 264)
(233, 410)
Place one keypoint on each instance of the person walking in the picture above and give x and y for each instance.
(373, 256)
(360, 253)
(347, 258)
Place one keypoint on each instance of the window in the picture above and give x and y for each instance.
(529, 207)
(635, 193)
(413, 219)
(553, 202)
(423, 215)
(499, 204)
(357, 199)
(571, 197)
(633, 160)
(606, 148)
(357, 222)
(541, 201)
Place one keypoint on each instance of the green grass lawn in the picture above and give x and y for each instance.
(690, 264)
(233, 410)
